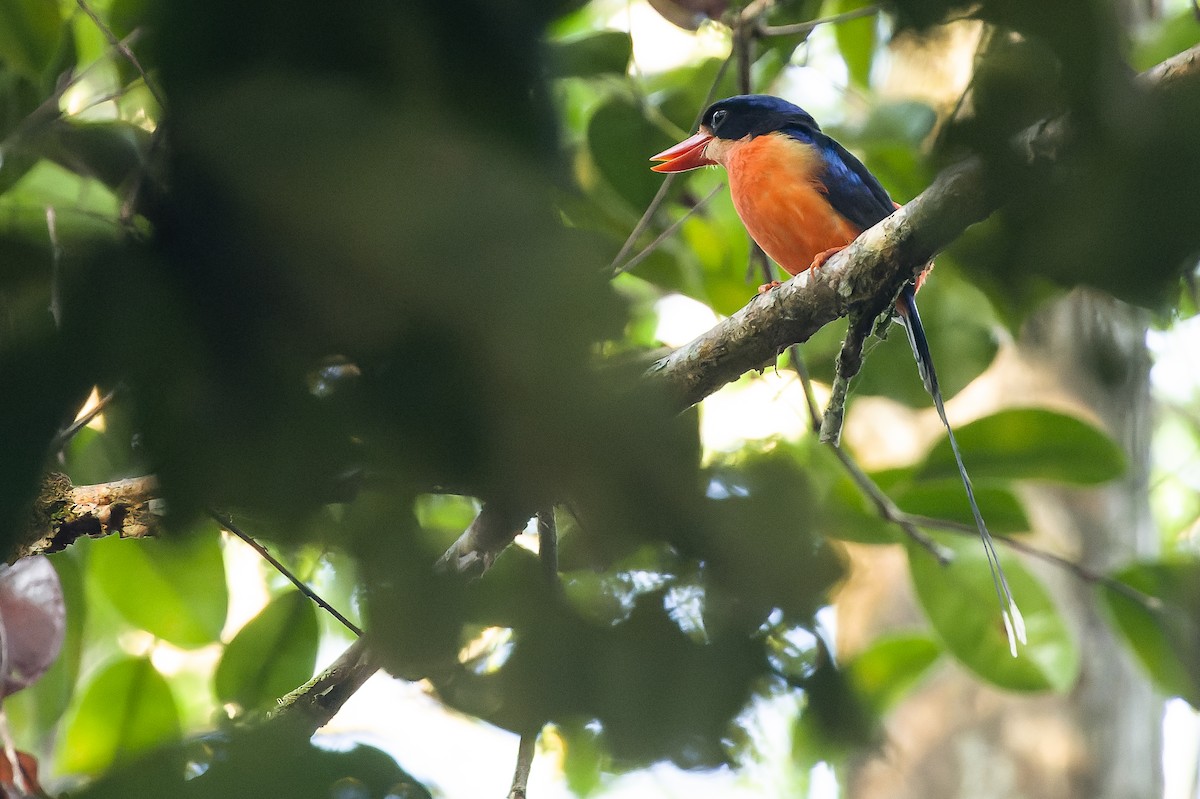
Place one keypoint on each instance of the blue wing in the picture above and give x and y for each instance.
(853, 191)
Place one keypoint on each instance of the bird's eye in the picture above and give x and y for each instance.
(718, 117)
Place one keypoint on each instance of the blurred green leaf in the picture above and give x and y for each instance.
(846, 512)
(111, 152)
(84, 208)
(126, 710)
(856, 40)
(947, 499)
(621, 139)
(836, 718)
(906, 122)
(891, 666)
(29, 35)
(172, 587)
(848, 515)
(962, 605)
(273, 654)
(1029, 444)
(776, 560)
(1164, 629)
(600, 53)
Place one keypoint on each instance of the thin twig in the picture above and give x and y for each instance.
(12, 756)
(849, 362)
(66, 435)
(228, 524)
(548, 548)
(743, 48)
(525, 751)
(548, 556)
(55, 266)
(124, 49)
(1075, 568)
(810, 400)
(666, 234)
(802, 28)
(754, 11)
(884, 506)
(661, 195)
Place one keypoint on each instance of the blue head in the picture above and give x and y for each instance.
(754, 115)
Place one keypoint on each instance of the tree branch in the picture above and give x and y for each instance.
(313, 704)
(64, 512)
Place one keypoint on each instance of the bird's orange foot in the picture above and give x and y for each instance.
(765, 287)
(820, 258)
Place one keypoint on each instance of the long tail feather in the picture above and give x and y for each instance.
(1014, 623)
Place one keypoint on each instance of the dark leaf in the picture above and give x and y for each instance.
(265, 762)
(29, 35)
(600, 53)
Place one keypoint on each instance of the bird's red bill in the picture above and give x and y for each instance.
(688, 154)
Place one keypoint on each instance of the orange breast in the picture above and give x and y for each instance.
(775, 190)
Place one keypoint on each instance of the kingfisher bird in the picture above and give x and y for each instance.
(803, 197)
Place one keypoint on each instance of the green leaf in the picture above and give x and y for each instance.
(273, 654)
(621, 140)
(962, 605)
(29, 35)
(602, 53)
(947, 499)
(856, 41)
(127, 709)
(848, 515)
(1030, 444)
(885, 671)
(1164, 631)
(171, 587)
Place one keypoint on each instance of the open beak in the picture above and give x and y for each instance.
(688, 154)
